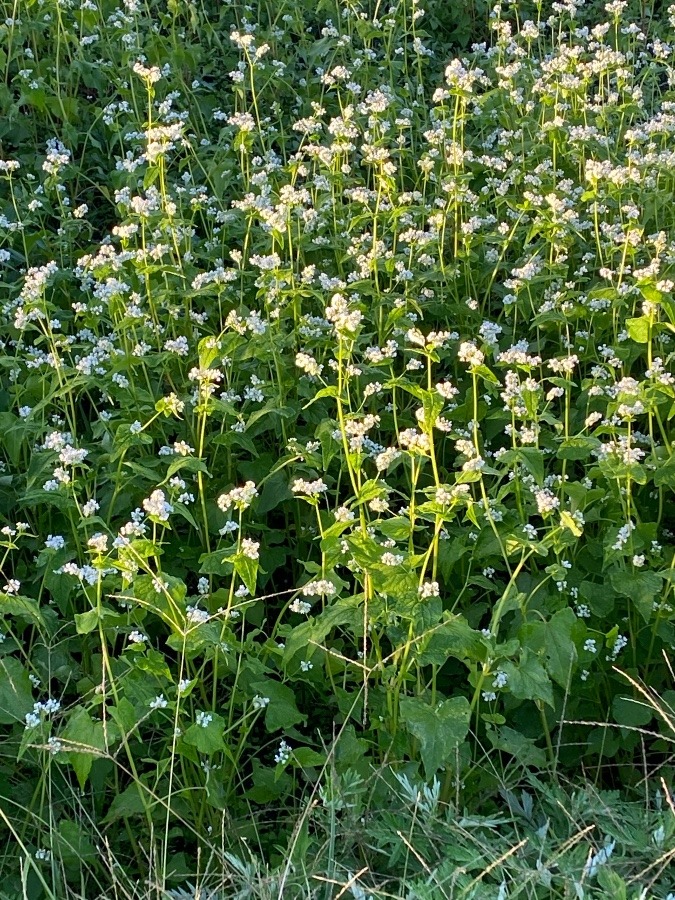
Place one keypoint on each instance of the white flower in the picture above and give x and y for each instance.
(446, 390)
(283, 754)
(197, 616)
(98, 542)
(300, 606)
(469, 353)
(250, 549)
(391, 559)
(203, 719)
(160, 702)
(343, 514)
(546, 501)
(623, 536)
(150, 75)
(308, 364)
(318, 588)
(500, 679)
(89, 508)
(137, 637)
(240, 497)
(32, 719)
(309, 488)
(156, 505)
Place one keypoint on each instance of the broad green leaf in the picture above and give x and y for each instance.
(247, 569)
(528, 680)
(216, 563)
(370, 490)
(87, 622)
(22, 607)
(208, 738)
(74, 843)
(281, 711)
(396, 529)
(635, 713)
(552, 641)
(16, 692)
(304, 757)
(638, 329)
(85, 740)
(577, 447)
(641, 588)
(345, 611)
(188, 464)
(439, 730)
(520, 747)
(533, 461)
(454, 637)
(665, 474)
(274, 492)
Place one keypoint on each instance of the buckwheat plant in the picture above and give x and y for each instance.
(337, 397)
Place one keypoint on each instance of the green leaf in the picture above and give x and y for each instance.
(533, 461)
(216, 563)
(453, 638)
(281, 711)
(635, 713)
(560, 652)
(577, 447)
(16, 696)
(638, 329)
(640, 587)
(370, 490)
(651, 293)
(552, 640)
(74, 843)
(206, 739)
(23, 607)
(84, 740)
(344, 611)
(396, 529)
(528, 680)
(520, 747)
(87, 622)
(131, 802)
(187, 463)
(665, 474)
(483, 372)
(304, 757)
(247, 569)
(275, 491)
(439, 730)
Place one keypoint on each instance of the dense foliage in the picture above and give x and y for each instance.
(335, 417)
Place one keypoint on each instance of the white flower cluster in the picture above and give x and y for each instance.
(240, 497)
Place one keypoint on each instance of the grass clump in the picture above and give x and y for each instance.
(336, 449)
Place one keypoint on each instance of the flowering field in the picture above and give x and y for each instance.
(336, 425)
